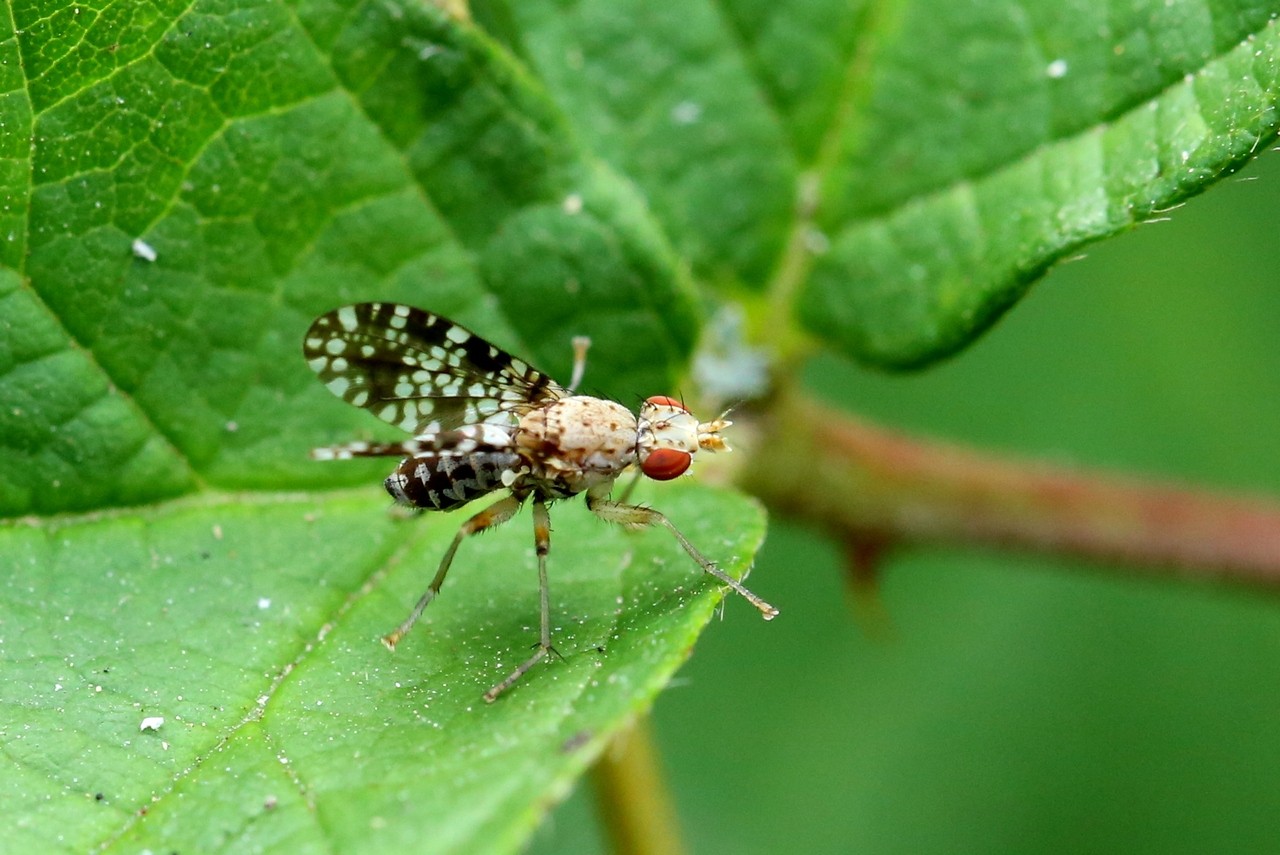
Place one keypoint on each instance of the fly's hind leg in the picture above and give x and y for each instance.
(542, 545)
(495, 514)
(638, 516)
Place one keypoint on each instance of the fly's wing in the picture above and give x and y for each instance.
(464, 442)
(421, 372)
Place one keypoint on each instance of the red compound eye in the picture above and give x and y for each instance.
(663, 464)
(665, 401)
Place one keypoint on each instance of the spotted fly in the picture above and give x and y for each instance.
(484, 421)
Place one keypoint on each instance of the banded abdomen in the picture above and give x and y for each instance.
(444, 482)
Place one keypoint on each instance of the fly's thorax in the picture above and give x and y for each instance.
(669, 435)
(577, 442)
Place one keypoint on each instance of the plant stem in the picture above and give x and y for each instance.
(868, 485)
(632, 797)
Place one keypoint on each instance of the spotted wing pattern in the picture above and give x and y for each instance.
(419, 371)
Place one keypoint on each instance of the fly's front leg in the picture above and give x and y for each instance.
(638, 516)
(495, 514)
(625, 498)
(542, 545)
(581, 344)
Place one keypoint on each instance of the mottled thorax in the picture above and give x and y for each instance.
(578, 442)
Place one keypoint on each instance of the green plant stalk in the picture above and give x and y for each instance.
(868, 486)
(633, 798)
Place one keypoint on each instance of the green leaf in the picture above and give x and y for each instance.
(908, 170)
(279, 164)
(1049, 138)
(185, 187)
(668, 94)
(250, 625)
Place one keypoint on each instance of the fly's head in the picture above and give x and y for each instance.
(669, 436)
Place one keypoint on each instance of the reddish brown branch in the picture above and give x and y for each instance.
(866, 483)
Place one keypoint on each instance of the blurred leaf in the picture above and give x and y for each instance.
(926, 160)
(184, 188)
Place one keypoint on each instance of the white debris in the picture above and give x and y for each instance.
(144, 250)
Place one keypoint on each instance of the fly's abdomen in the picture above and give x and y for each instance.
(442, 483)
